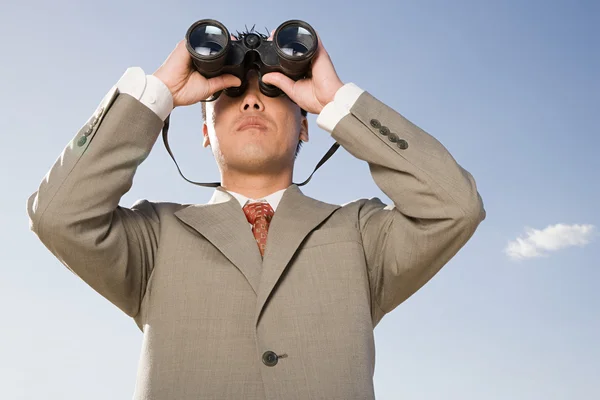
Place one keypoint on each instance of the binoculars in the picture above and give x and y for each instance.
(214, 52)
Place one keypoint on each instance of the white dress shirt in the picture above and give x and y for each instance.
(273, 199)
(155, 95)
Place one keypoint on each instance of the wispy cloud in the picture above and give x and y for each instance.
(538, 243)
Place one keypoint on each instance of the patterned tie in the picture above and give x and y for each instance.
(259, 215)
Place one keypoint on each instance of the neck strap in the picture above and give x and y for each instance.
(165, 131)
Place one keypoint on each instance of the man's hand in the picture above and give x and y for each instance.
(186, 84)
(311, 94)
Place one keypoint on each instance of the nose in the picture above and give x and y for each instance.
(252, 98)
(251, 102)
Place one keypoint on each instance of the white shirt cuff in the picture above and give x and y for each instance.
(343, 101)
(148, 89)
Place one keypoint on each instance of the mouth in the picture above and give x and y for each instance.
(252, 123)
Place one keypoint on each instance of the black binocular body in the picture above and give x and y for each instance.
(214, 52)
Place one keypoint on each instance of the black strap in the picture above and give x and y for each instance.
(165, 131)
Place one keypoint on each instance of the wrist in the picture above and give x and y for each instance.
(333, 91)
(157, 96)
(159, 76)
(344, 100)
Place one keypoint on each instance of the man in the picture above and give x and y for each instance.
(226, 313)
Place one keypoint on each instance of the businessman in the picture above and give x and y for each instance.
(263, 292)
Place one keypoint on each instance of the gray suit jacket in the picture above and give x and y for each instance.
(218, 321)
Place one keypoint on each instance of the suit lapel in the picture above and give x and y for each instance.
(222, 222)
(296, 216)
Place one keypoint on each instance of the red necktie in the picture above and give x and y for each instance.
(259, 215)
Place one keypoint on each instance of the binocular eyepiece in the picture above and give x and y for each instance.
(214, 52)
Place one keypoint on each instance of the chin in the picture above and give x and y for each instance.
(258, 160)
(253, 151)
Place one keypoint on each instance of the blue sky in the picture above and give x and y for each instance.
(511, 88)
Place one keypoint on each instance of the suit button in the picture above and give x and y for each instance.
(384, 130)
(403, 144)
(269, 358)
(88, 131)
(375, 124)
(81, 141)
(393, 137)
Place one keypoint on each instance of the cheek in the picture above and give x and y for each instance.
(218, 124)
(220, 111)
(212, 136)
(292, 128)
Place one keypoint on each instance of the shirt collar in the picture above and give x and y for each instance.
(273, 199)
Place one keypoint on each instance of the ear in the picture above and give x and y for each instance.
(206, 141)
(304, 129)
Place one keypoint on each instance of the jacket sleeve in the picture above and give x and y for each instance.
(436, 207)
(76, 214)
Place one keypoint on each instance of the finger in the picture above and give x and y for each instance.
(181, 53)
(281, 81)
(320, 48)
(321, 55)
(177, 51)
(222, 82)
(181, 46)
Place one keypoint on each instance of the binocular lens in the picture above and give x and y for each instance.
(295, 41)
(207, 40)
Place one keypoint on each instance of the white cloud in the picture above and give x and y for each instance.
(537, 243)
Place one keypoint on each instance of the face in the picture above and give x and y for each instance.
(254, 133)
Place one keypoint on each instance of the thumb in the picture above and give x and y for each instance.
(221, 82)
(281, 81)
